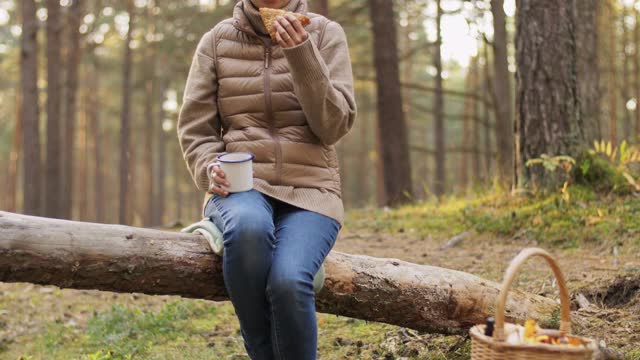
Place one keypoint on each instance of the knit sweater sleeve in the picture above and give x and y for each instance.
(323, 83)
(199, 125)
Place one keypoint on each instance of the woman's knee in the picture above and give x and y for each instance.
(248, 246)
(249, 237)
(291, 285)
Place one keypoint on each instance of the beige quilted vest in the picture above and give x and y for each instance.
(259, 110)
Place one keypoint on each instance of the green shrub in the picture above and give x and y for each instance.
(600, 174)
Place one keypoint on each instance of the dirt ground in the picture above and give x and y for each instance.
(608, 277)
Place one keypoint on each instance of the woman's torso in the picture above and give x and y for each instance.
(261, 114)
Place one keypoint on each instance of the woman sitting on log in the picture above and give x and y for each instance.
(287, 102)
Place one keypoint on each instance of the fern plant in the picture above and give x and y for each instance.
(622, 157)
(552, 163)
(557, 172)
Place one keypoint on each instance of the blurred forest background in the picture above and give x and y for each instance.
(101, 82)
(473, 98)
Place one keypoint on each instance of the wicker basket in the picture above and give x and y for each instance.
(495, 348)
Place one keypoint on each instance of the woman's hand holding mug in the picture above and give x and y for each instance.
(237, 174)
(217, 177)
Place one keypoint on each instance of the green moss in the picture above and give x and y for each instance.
(553, 322)
(567, 219)
(600, 174)
(634, 354)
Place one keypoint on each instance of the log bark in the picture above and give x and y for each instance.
(80, 255)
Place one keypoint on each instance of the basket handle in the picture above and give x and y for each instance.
(510, 274)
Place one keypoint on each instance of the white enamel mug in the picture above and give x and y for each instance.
(238, 170)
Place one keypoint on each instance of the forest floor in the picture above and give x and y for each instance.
(595, 238)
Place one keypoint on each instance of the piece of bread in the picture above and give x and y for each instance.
(269, 17)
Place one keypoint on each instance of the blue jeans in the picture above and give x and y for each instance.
(272, 250)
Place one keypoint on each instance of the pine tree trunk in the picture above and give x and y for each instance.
(626, 119)
(502, 88)
(161, 143)
(99, 163)
(31, 186)
(53, 179)
(589, 77)
(150, 124)
(73, 62)
(613, 77)
(81, 172)
(438, 108)
(489, 98)
(549, 80)
(395, 148)
(321, 7)
(476, 148)
(11, 191)
(405, 67)
(125, 124)
(467, 124)
(364, 169)
(636, 70)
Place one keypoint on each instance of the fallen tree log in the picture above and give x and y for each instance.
(118, 258)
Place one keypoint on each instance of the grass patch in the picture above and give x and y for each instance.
(564, 219)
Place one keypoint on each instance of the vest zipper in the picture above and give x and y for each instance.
(269, 110)
(267, 99)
